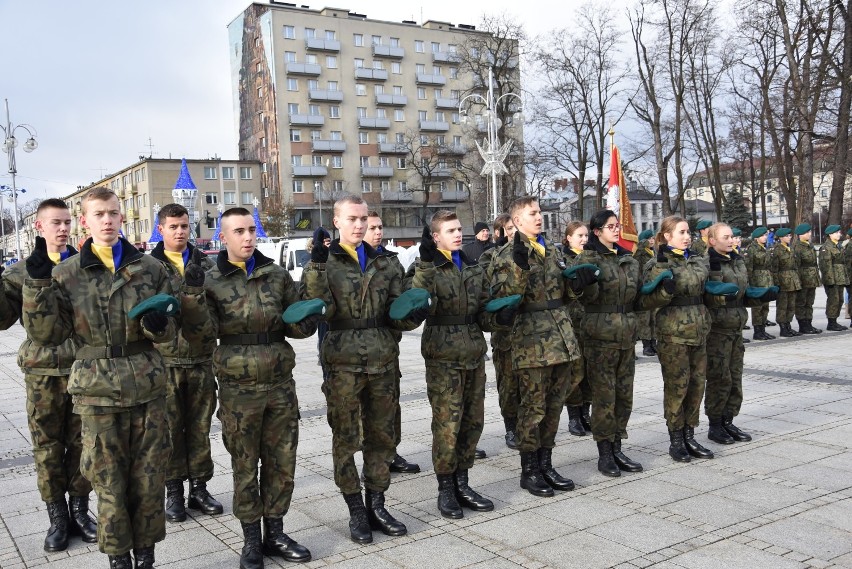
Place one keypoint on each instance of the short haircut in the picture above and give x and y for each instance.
(353, 199)
(51, 202)
(500, 222)
(98, 193)
(572, 227)
(441, 217)
(235, 211)
(373, 213)
(171, 210)
(521, 203)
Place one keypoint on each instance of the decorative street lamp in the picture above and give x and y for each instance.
(6, 190)
(493, 154)
(9, 144)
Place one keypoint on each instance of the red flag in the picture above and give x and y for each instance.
(618, 201)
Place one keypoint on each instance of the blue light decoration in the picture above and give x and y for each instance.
(261, 232)
(184, 181)
(218, 228)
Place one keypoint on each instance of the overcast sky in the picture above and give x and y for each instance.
(97, 79)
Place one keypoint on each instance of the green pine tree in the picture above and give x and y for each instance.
(734, 212)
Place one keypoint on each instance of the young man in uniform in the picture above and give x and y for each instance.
(806, 260)
(834, 276)
(759, 275)
(191, 389)
(785, 275)
(54, 426)
(118, 381)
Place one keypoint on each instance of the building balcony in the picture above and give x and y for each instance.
(457, 149)
(392, 148)
(323, 195)
(371, 74)
(325, 95)
(442, 172)
(319, 44)
(312, 69)
(376, 171)
(134, 189)
(446, 103)
(388, 51)
(314, 171)
(430, 79)
(130, 213)
(454, 196)
(398, 197)
(373, 122)
(435, 126)
(328, 146)
(445, 57)
(307, 120)
(120, 192)
(392, 100)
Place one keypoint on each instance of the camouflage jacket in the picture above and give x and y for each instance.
(180, 352)
(32, 358)
(610, 304)
(698, 247)
(757, 265)
(785, 272)
(847, 259)
(501, 339)
(541, 337)
(393, 256)
(84, 299)
(831, 264)
(687, 323)
(806, 259)
(575, 307)
(643, 253)
(730, 317)
(252, 305)
(354, 295)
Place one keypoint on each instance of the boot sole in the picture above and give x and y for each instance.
(540, 493)
(722, 441)
(272, 552)
(176, 519)
(610, 473)
(395, 533)
(208, 512)
(451, 515)
(363, 541)
(686, 458)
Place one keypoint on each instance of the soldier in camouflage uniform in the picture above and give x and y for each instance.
(358, 285)
(785, 274)
(118, 380)
(806, 260)
(645, 252)
(699, 246)
(834, 276)
(682, 328)
(759, 275)
(246, 295)
(543, 341)
(847, 262)
(54, 426)
(191, 389)
(579, 401)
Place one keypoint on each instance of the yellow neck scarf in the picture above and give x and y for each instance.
(240, 264)
(104, 253)
(176, 259)
(352, 252)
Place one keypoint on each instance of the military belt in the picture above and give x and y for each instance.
(734, 303)
(114, 351)
(451, 320)
(605, 308)
(686, 301)
(356, 324)
(541, 306)
(252, 339)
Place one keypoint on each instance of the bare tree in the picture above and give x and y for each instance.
(842, 69)
(432, 166)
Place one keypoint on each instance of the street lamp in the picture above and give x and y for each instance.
(6, 190)
(9, 144)
(493, 154)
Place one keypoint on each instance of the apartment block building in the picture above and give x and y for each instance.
(331, 102)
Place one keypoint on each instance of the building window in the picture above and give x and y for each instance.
(330, 35)
(419, 46)
(310, 33)
(378, 89)
(337, 161)
(263, 142)
(295, 135)
(337, 185)
(381, 137)
(296, 160)
(313, 84)
(397, 89)
(230, 198)
(290, 56)
(211, 222)
(399, 115)
(359, 63)
(245, 172)
(292, 84)
(394, 42)
(314, 110)
(358, 39)
(396, 67)
(363, 138)
(247, 198)
(422, 115)
(378, 65)
(439, 116)
(210, 172)
(454, 72)
(421, 93)
(260, 92)
(377, 40)
(263, 168)
(211, 199)
(360, 89)
(316, 160)
(334, 111)
(297, 186)
(420, 68)
(331, 61)
(336, 135)
(400, 138)
(311, 58)
(400, 163)
(293, 108)
(362, 112)
(332, 86)
(366, 186)
(436, 47)
(455, 117)
(381, 113)
(316, 135)
(365, 161)
(403, 186)
(227, 172)
(290, 32)
(437, 70)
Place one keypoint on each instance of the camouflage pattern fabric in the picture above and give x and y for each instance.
(543, 394)
(582, 392)
(834, 277)
(805, 303)
(759, 275)
(833, 301)
(507, 381)
(684, 367)
(698, 247)
(785, 306)
(724, 391)
(610, 374)
(785, 271)
(847, 262)
(190, 403)
(760, 314)
(806, 262)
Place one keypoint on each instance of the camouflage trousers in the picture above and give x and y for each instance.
(833, 301)
(55, 431)
(581, 392)
(848, 296)
(684, 374)
(543, 394)
(610, 372)
(125, 450)
(261, 426)
(646, 324)
(457, 397)
(397, 417)
(507, 383)
(760, 314)
(785, 306)
(190, 402)
(724, 393)
(348, 395)
(805, 303)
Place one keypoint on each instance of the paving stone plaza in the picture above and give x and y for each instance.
(782, 501)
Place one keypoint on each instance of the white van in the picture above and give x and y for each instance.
(295, 257)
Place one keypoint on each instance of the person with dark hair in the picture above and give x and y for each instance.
(643, 254)
(759, 275)
(191, 389)
(579, 400)
(481, 242)
(834, 277)
(806, 261)
(785, 274)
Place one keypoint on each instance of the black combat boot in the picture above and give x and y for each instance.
(144, 557)
(735, 432)
(479, 453)
(57, 533)
(606, 460)
(833, 326)
(276, 543)
(587, 416)
(175, 508)
(380, 518)
(251, 556)
(511, 433)
(787, 330)
(812, 328)
(677, 446)
(692, 446)
(771, 323)
(359, 525)
(122, 561)
(200, 498)
(746, 340)
(760, 333)
(81, 523)
(467, 496)
(622, 460)
(531, 478)
(575, 421)
(716, 432)
(402, 466)
(448, 505)
(648, 348)
(553, 478)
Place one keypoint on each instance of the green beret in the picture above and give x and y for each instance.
(409, 301)
(647, 234)
(298, 311)
(718, 288)
(703, 224)
(849, 232)
(802, 228)
(758, 291)
(832, 229)
(501, 303)
(649, 287)
(164, 303)
(782, 232)
(571, 272)
(737, 232)
(758, 232)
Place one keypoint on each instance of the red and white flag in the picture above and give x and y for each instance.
(617, 201)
